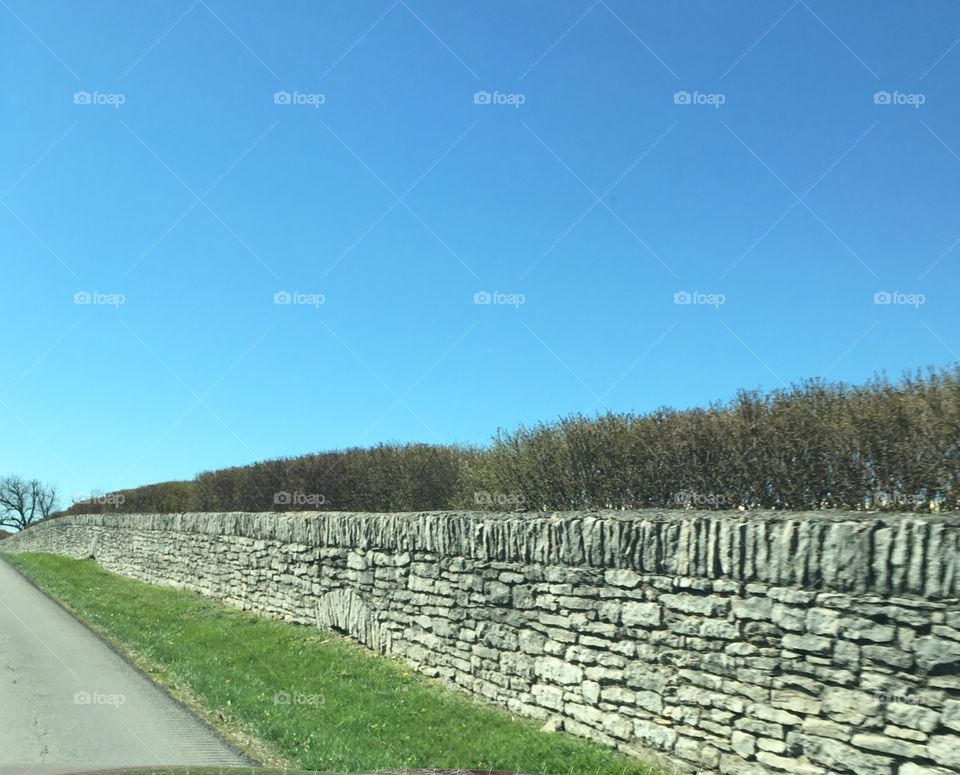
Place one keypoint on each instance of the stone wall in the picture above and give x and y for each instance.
(736, 643)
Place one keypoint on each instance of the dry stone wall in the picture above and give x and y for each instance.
(748, 644)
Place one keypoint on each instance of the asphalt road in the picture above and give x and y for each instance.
(69, 703)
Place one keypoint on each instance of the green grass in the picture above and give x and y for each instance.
(352, 710)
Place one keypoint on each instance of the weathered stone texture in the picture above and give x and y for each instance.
(745, 643)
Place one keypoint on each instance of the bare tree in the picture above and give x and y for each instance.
(45, 496)
(23, 502)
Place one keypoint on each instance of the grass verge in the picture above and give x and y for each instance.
(314, 700)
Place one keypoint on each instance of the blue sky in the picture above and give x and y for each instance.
(182, 162)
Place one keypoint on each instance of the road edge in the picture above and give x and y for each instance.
(187, 704)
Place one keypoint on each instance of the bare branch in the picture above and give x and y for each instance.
(24, 502)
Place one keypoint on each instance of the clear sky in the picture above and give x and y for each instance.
(181, 162)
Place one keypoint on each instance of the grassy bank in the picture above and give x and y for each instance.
(315, 699)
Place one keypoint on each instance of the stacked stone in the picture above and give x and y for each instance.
(737, 643)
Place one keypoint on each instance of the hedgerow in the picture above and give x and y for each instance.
(882, 445)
